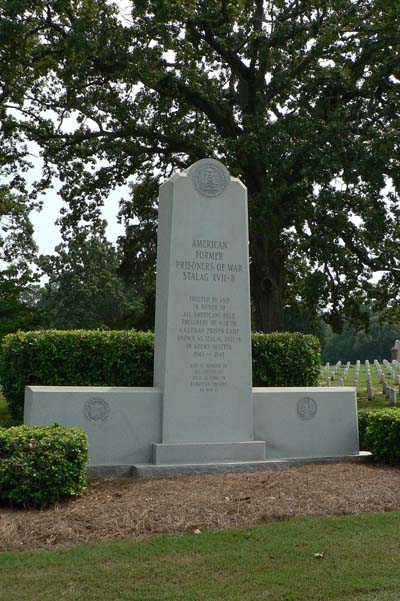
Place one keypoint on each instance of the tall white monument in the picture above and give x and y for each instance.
(202, 413)
(202, 361)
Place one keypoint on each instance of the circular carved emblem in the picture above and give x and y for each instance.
(209, 180)
(306, 408)
(96, 410)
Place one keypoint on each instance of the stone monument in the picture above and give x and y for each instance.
(202, 359)
(202, 413)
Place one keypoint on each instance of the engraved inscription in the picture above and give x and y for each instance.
(208, 327)
(306, 408)
(209, 180)
(208, 263)
(209, 332)
(96, 410)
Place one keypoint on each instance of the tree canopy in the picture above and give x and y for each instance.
(298, 99)
(17, 253)
(83, 289)
(351, 346)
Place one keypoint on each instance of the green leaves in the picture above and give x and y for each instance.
(285, 359)
(380, 434)
(17, 252)
(55, 358)
(83, 288)
(300, 100)
(40, 465)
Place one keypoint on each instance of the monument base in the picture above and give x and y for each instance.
(164, 471)
(216, 452)
(124, 425)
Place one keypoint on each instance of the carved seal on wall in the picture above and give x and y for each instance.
(96, 410)
(306, 408)
(209, 180)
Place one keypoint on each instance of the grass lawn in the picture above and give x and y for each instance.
(310, 559)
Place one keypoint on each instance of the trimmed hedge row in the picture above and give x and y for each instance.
(125, 358)
(73, 358)
(285, 359)
(379, 432)
(40, 465)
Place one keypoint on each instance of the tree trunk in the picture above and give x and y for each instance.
(267, 283)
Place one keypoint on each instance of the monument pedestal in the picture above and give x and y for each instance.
(125, 436)
(204, 452)
(269, 465)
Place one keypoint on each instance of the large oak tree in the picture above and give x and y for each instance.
(299, 98)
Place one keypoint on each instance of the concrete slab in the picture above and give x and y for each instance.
(306, 422)
(169, 471)
(121, 423)
(208, 452)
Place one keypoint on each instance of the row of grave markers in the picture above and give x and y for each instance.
(390, 392)
(341, 377)
(338, 374)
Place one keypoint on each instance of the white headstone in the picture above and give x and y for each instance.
(202, 332)
(392, 396)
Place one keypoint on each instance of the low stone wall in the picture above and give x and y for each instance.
(123, 424)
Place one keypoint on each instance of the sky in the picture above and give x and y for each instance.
(47, 234)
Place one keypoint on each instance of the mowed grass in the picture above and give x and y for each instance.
(310, 559)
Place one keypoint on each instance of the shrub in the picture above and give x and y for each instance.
(125, 358)
(39, 465)
(285, 359)
(379, 432)
(73, 358)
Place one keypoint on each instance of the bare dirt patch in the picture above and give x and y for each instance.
(114, 508)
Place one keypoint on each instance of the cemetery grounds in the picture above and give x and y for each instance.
(358, 375)
(317, 532)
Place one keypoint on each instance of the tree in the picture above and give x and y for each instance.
(375, 343)
(139, 249)
(298, 99)
(17, 253)
(83, 289)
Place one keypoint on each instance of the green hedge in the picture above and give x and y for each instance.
(285, 359)
(379, 431)
(73, 358)
(125, 358)
(40, 465)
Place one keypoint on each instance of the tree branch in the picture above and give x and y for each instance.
(258, 21)
(232, 59)
(173, 143)
(222, 118)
